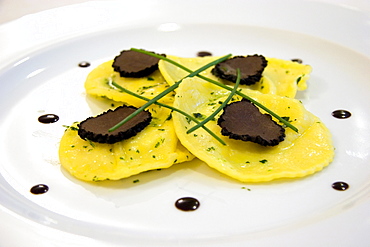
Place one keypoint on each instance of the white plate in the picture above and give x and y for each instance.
(42, 77)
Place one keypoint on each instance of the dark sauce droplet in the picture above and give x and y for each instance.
(39, 189)
(297, 60)
(340, 186)
(204, 54)
(84, 64)
(341, 114)
(187, 204)
(48, 118)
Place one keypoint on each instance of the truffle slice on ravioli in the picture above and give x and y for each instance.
(155, 147)
(280, 77)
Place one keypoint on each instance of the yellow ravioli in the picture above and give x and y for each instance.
(155, 147)
(99, 83)
(300, 154)
(280, 77)
(287, 76)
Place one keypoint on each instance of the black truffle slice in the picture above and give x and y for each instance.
(96, 128)
(242, 120)
(134, 64)
(251, 68)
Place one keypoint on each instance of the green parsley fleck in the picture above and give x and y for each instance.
(245, 188)
(159, 142)
(199, 115)
(299, 79)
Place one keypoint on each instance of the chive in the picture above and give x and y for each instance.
(172, 108)
(210, 117)
(221, 85)
(165, 92)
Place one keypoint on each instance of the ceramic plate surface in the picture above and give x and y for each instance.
(43, 77)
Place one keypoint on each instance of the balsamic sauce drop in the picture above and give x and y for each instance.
(39, 189)
(48, 118)
(341, 114)
(340, 186)
(297, 60)
(84, 64)
(204, 54)
(187, 204)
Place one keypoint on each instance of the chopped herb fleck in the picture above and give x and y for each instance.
(70, 127)
(286, 119)
(91, 143)
(245, 188)
(159, 143)
(199, 115)
(263, 161)
(299, 79)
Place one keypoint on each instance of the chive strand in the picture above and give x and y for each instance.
(171, 108)
(210, 117)
(165, 92)
(223, 86)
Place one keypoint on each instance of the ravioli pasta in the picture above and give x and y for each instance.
(165, 142)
